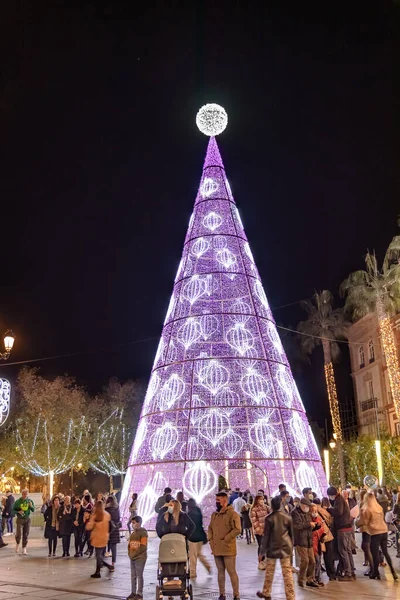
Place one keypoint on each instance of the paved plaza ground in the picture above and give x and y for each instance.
(35, 576)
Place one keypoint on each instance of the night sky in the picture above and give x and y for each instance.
(101, 161)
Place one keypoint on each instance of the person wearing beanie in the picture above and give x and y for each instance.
(343, 527)
(303, 527)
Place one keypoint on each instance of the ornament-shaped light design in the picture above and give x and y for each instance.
(5, 395)
(221, 397)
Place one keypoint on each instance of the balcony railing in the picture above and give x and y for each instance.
(370, 404)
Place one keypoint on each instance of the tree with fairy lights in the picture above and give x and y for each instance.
(120, 406)
(49, 424)
(323, 327)
(378, 291)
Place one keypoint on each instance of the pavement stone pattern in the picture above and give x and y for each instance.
(36, 576)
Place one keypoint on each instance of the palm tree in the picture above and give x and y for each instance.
(323, 327)
(378, 291)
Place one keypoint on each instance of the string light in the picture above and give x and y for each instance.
(333, 400)
(110, 446)
(56, 461)
(389, 349)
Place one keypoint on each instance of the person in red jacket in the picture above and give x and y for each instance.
(317, 536)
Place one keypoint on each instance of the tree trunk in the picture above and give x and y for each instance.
(390, 353)
(334, 407)
(111, 484)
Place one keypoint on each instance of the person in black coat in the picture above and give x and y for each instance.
(8, 512)
(197, 539)
(115, 525)
(78, 527)
(173, 520)
(65, 520)
(52, 525)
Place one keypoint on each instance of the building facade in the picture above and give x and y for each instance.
(374, 403)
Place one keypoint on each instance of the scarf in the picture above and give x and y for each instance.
(67, 509)
(54, 520)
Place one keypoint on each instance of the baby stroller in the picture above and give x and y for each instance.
(173, 569)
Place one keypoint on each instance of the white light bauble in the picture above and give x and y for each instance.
(211, 119)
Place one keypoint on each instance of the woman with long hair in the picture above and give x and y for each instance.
(66, 521)
(52, 525)
(198, 538)
(365, 536)
(373, 519)
(99, 527)
(113, 510)
(258, 513)
(173, 520)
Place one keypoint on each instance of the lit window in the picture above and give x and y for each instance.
(371, 351)
(361, 356)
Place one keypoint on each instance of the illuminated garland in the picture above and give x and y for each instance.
(390, 352)
(27, 457)
(110, 447)
(333, 400)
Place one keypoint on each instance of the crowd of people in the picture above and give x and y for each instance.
(309, 535)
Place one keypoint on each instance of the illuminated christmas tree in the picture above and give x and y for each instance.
(221, 399)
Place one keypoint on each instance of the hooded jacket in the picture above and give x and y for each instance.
(222, 531)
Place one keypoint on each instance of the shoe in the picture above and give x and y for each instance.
(68, 555)
(16, 548)
(132, 597)
(367, 573)
(87, 553)
(320, 584)
(332, 579)
(64, 555)
(354, 576)
(365, 563)
(91, 554)
(24, 551)
(222, 597)
(261, 595)
(81, 554)
(312, 584)
(54, 554)
(394, 574)
(236, 597)
(49, 555)
(76, 555)
(345, 578)
(301, 584)
(372, 576)
(3, 544)
(111, 568)
(95, 575)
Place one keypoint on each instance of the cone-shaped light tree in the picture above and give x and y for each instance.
(322, 328)
(221, 399)
(378, 290)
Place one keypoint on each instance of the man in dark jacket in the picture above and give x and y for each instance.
(343, 526)
(303, 527)
(277, 543)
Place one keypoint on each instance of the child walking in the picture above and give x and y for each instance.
(137, 550)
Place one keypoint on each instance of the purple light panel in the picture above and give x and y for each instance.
(221, 398)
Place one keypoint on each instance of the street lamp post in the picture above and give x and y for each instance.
(9, 339)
